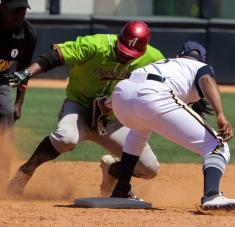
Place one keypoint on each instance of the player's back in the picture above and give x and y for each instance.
(180, 74)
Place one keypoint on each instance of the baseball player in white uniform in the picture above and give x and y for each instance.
(157, 97)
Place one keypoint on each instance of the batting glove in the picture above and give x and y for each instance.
(17, 78)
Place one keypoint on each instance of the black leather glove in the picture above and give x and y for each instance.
(17, 78)
(202, 107)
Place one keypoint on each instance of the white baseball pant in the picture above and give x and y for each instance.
(150, 106)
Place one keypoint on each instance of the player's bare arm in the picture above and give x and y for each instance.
(19, 101)
(211, 93)
(34, 69)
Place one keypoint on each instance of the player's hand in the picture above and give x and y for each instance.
(17, 78)
(17, 111)
(224, 128)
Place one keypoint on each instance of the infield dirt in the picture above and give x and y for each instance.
(174, 194)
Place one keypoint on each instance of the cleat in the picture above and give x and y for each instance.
(108, 181)
(16, 185)
(131, 195)
(217, 202)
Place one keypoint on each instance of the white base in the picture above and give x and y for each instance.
(114, 203)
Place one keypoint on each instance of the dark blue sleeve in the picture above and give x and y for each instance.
(207, 69)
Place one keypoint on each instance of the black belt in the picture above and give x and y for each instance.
(152, 77)
(156, 77)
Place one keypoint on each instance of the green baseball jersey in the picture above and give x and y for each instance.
(94, 67)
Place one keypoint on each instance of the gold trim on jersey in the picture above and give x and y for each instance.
(5, 65)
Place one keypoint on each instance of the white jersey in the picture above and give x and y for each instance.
(182, 75)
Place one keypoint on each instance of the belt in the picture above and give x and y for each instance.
(151, 76)
(156, 77)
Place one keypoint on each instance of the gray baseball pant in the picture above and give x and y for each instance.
(74, 127)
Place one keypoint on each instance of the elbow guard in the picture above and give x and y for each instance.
(49, 60)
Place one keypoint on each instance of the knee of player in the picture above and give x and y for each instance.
(70, 140)
(217, 159)
(65, 141)
(225, 152)
(151, 171)
(221, 149)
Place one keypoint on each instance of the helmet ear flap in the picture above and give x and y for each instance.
(195, 54)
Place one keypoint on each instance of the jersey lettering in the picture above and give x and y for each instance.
(110, 75)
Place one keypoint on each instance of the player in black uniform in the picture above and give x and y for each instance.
(17, 42)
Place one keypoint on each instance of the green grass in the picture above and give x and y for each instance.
(39, 118)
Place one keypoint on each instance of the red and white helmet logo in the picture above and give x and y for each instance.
(132, 42)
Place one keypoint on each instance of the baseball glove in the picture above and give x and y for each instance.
(202, 107)
(100, 115)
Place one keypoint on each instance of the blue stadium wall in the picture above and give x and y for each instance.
(168, 34)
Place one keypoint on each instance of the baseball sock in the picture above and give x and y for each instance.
(212, 177)
(123, 186)
(43, 153)
(115, 169)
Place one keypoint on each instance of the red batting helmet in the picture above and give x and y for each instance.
(134, 38)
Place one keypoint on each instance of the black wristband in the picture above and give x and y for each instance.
(49, 60)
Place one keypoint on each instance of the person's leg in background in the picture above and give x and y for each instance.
(70, 130)
(6, 132)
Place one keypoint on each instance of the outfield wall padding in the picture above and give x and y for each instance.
(168, 34)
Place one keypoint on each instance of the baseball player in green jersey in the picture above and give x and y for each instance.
(97, 63)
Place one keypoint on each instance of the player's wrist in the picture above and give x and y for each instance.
(34, 69)
(23, 76)
(27, 74)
